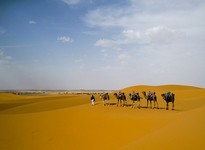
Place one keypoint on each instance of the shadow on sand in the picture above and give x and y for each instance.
(143, 107)
(6, 106)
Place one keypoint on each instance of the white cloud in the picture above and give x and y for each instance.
(131, 34)
(147, 13)
(127, 37)
(158, 34)
(77, 2)
(32, 22)
(106, 43)
(106, 17)
(71, 2)
(65, 39)
(162, 34)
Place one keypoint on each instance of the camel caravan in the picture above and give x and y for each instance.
(150, 97)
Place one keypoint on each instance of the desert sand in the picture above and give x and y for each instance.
(68, 122)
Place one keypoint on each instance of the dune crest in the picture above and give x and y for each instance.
(160, 88)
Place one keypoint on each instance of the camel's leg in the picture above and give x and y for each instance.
(167, 106)
(150, 104)
(147, 103)
(172, 105)
(157, 104)
(104, 102)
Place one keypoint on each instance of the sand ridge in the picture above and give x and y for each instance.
(70, 122)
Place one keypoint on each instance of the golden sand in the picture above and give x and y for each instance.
(62, 122)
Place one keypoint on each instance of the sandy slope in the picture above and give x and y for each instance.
(70, 122)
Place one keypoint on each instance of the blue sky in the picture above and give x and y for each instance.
(99, 44)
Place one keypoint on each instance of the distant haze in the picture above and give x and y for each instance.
(100, 44)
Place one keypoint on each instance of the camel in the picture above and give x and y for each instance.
(121, 98)
(168, 97)
(135, 97)
(105, 96)
(150, 97)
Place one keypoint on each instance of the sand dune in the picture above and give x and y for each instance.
(70, 122)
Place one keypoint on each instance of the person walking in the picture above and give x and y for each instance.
(92, 100)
